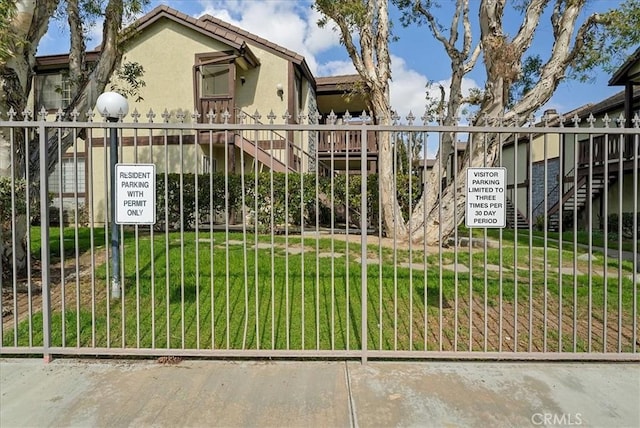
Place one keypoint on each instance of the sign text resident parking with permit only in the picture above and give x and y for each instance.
(486, 202)
(135, 193)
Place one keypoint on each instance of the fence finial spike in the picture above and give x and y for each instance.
(636, 121)
(346, 117)
(195, 116)
(286, 116)
(150, 115)
(43, 114)
(180, 115)
(12, 113)
(26, 114)
(272, 117)
(225, 116)
(621, 120)
(241, 116)
(561, 120)
(606, 120)
(211, 115)
(166, 115)
(591, 120)
(332, 118)
(410, 118)
(576, 120)
(135, 115)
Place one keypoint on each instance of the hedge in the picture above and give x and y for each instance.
(273, 200)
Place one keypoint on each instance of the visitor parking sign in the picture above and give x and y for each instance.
(486, 203)
(135, 193)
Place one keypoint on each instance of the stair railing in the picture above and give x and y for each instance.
(291, 147)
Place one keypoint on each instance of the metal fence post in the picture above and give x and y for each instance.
(115, 231)
(363, 240)
(44, 242)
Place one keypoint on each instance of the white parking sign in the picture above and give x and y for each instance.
(135, 193)
(486, 203)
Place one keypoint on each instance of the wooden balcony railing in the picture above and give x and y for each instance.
(217, 105)
(346, 141)
(609, 149)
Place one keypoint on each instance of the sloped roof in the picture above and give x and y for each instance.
(237, 33)
(234, 37)
(204, 27)
(621, 76)
(222, 31)
(605, 106)
(337, 84)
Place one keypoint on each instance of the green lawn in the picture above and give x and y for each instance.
(216, 292)
(582, 238)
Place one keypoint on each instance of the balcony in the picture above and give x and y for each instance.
(614, 150)
(340, 143)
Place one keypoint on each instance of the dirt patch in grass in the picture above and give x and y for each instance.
(77, 283)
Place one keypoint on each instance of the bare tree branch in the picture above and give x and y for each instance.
(453, 31)
(469, 65)
(78, 47)
(466, 23)
(522, 40)
(433, 24)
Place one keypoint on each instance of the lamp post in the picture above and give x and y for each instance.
(114, 107)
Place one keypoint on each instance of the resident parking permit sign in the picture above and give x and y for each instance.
(486, 204)
(135, 193)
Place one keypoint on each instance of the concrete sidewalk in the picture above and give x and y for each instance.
(116, 393)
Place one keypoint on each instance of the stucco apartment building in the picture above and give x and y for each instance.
(582, 171)
(206, 65)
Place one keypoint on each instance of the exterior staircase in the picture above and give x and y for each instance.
(262, 156)
(267, 157)
(515, 217)
(576, 200)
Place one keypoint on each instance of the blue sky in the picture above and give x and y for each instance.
(416, 57)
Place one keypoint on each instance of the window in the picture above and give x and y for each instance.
(69, 175)
(215, 80)
(53, 91)
(208, 165)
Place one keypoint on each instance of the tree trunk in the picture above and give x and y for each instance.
(29, 25)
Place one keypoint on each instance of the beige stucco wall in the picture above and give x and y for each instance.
(613, 196)
(516, 165)
(167, 52)
(552, 142)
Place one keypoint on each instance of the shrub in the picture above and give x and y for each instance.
(273, 199)
(627, 223)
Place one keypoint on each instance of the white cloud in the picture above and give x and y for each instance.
(318, 39)
(407, 88)
(336, 68)
(290, 24)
